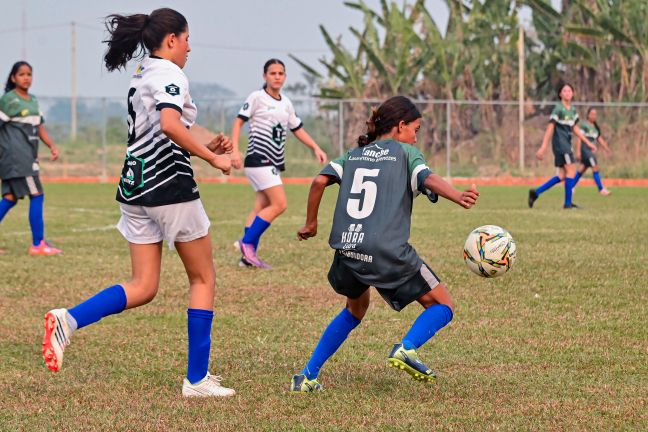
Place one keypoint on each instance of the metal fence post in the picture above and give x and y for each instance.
(448, 137)
(341, 127)
(104, 145)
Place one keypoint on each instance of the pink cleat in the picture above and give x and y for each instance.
(43, 249)
(250, 256)
(605, 192)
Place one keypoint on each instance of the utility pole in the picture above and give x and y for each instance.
(521, 95)
(73, 89)
(23, 30)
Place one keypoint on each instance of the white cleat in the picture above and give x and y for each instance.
(57, 337)
(207, 387)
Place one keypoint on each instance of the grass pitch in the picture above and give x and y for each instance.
(560, 343)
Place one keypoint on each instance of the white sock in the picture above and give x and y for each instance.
(71, 322)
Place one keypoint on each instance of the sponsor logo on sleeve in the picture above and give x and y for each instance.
(172, 89)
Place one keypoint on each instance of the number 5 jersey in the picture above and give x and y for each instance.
(371, 224)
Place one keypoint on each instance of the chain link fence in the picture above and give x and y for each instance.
(459, 138)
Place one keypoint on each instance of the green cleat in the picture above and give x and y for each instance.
(302, 384)
(408, 361)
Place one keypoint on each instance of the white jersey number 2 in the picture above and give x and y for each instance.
(359, 186)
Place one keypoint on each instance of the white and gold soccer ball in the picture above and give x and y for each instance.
(489, 251)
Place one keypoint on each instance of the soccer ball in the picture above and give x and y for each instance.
(489, 251)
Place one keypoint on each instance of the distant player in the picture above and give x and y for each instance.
(562, 122)
(21, 128)
(157, 193)
(585, 155)
(271, 116)
(370, 233)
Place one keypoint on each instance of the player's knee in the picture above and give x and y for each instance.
(146, 290)
(9, 197)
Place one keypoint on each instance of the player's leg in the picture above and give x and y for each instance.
(60, 324)
(581, 170)
(534, 194)
(197, 258)
(438, 312)
(570, 173)
(261, 201)
(8, 202)
(597, 179)
(358, 295)
(277, 204)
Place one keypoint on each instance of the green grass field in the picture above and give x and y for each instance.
(560, 343)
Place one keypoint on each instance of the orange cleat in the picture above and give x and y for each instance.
(43, 249)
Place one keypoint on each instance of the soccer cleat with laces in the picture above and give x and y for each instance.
(249, 255)
(300, 383)
(43, 249)
(57, 337)
(210, 386)
(408, 361)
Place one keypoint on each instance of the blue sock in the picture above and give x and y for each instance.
(199, 324)
(36, 218)
(332, 338)
(254, 232)
(548, 184)
(426, 325)
(597, 179)
(578, 176)
(569, 186)
(245, 231)
(110, 301)
(5, 206)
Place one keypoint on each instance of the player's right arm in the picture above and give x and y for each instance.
(545, 141)
(465, 199)
(314, 199)
(577, 147)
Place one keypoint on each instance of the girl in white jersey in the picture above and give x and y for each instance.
(157, 193)
(271, 115)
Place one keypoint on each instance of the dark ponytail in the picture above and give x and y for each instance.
(132, 36)
(267, 65)
(10, 85)
(389, 114)
(598, 129)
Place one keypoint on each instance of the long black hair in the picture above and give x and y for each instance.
(389, 114)
(132, 36)
(267, 65)
(10, 85)
(589, 110)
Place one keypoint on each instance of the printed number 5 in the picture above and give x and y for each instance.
(370, 190)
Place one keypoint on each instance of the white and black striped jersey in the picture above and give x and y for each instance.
(156, 170)
(270, 120)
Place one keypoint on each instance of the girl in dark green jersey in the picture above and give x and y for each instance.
(585, 155)
(21, 129)
(562, 123)
(371, 228)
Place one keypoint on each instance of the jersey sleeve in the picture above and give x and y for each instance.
(418, 171)
(170, 90)
(248, 108)
(335, 168)
(294, 122)
(4, 117)
(554, 117)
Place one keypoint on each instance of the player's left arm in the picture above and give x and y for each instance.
(320, 183)
(582, 137)
(49, 142)
(604, 144)
(309, 142)
(465, 199)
